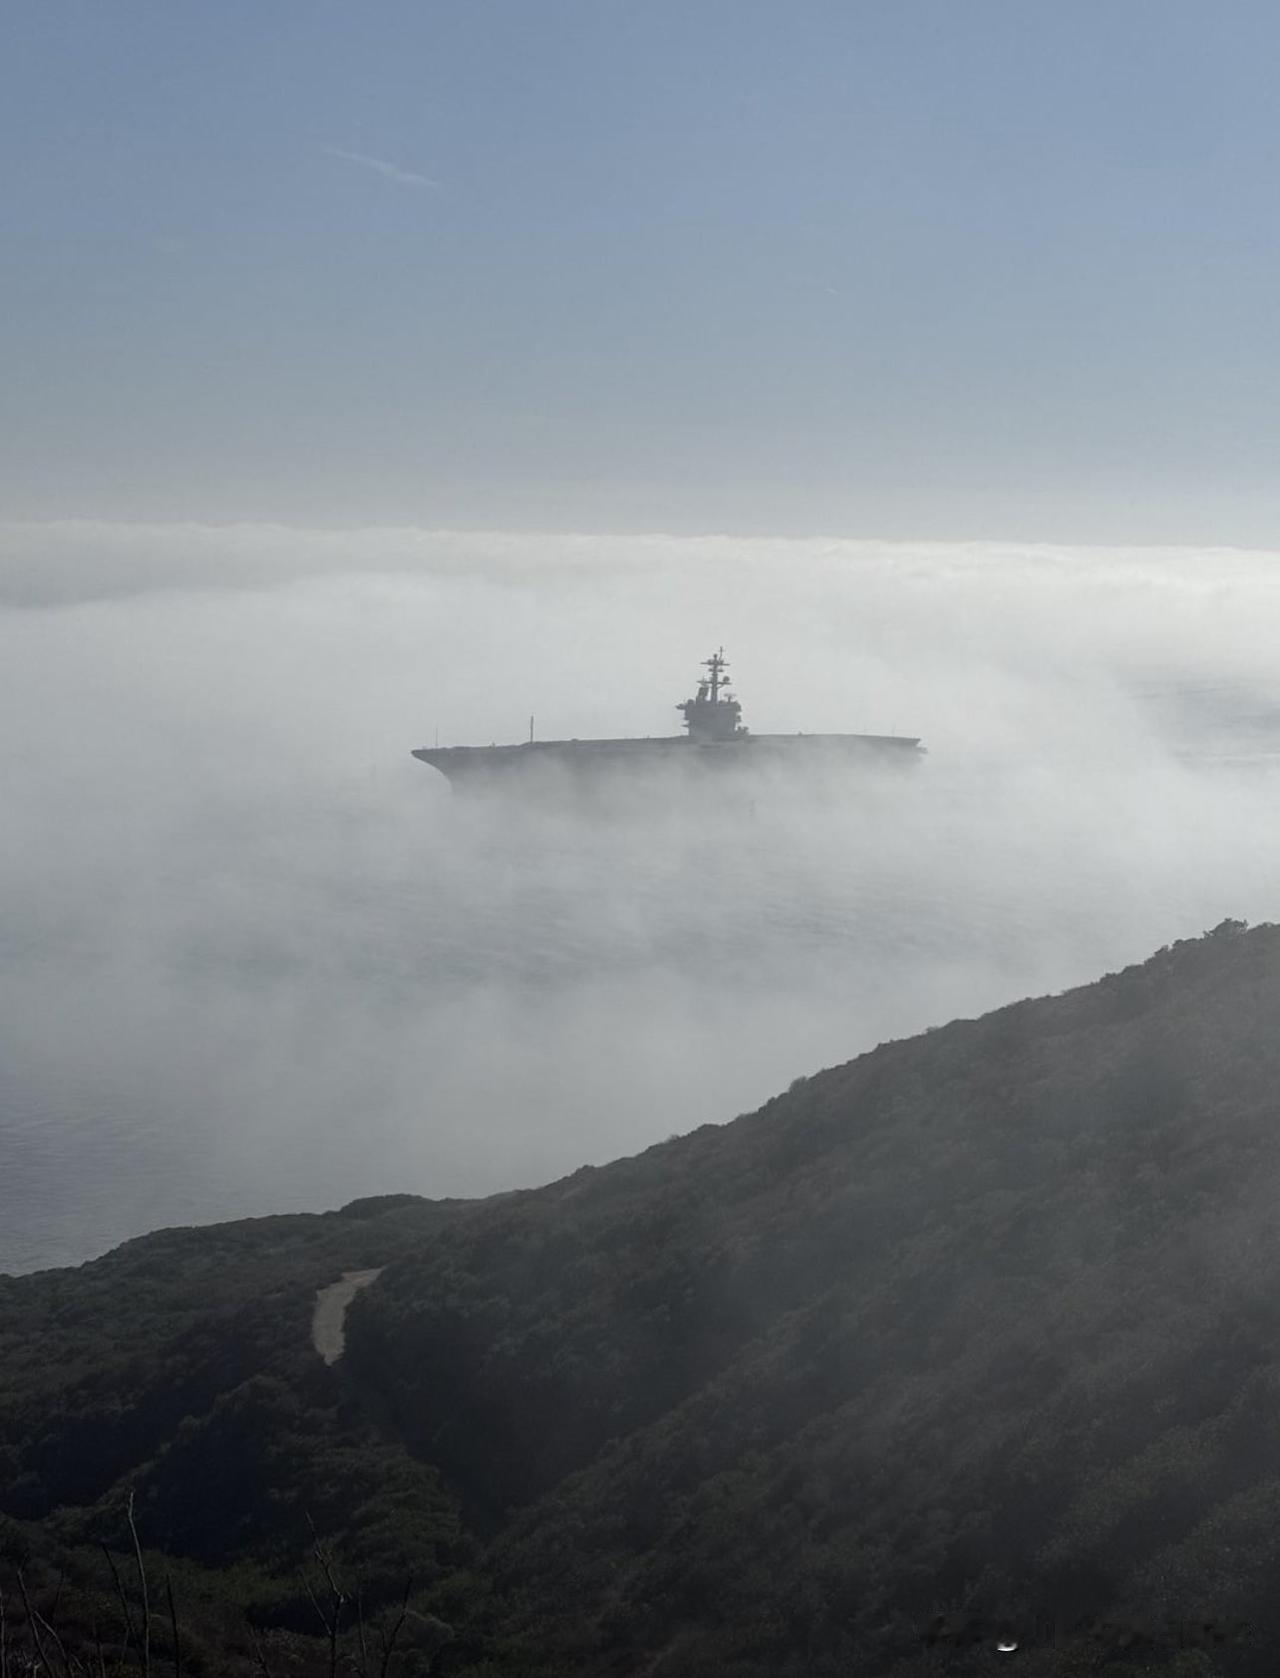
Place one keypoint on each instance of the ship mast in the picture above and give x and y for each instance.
(712, 715)
(717, 666)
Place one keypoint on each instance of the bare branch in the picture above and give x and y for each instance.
(142, 1581)
(173, 1621)
(336, 1596)
(389, 1642)
(124, 1605)
(58, 1643)
(32, 1627)
(48, 1622)
(315, 1603)
(364, 1648)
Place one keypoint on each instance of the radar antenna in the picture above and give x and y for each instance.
(717, 664)
(711, 716)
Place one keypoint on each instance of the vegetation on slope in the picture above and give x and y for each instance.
(177, 1375)
(979, 1331)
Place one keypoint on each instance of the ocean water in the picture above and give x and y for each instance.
(254, 958)
(449, 998)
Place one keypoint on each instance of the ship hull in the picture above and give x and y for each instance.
(592, 759)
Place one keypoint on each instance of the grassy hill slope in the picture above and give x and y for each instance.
(979, 1331)
(987, 1321)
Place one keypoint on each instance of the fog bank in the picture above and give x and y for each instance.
(253, 957)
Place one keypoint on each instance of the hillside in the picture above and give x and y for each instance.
(980, 1330)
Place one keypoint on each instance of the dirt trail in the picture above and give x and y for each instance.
(328, 1324)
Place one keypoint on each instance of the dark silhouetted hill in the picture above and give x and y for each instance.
(977, 1335)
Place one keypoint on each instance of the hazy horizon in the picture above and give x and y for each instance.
(255, 958)
(331, 336)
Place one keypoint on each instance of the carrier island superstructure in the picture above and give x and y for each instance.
(714, 738)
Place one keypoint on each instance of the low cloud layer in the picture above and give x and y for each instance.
(253, 957)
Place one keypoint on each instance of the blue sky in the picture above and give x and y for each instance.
(999, 269)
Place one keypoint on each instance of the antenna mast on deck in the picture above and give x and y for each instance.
(712, 714)
(717, 666)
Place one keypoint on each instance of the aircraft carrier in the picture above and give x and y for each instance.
(714, 739)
